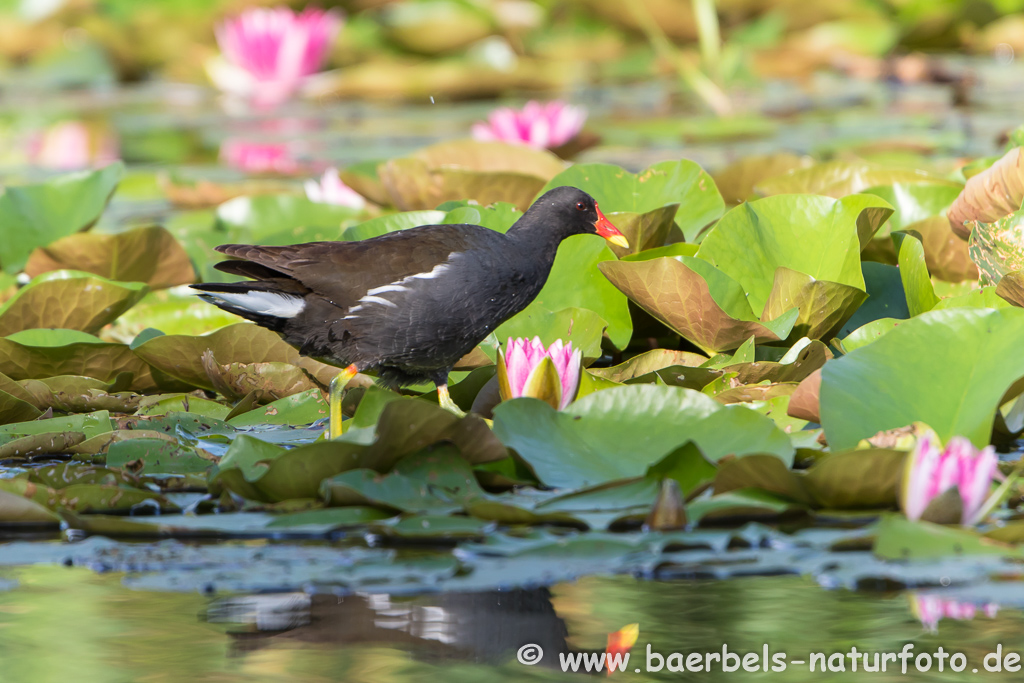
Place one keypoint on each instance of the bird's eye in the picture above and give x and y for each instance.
(581, 206)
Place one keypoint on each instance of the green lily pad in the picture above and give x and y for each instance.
(906, 375)
(35, 215)
(17, 510)
(282, 219)
(70, 300)
(813, 235)
(161, 404)
(897, 538)
(156, 456)
(917, 284)
(499, 216)
(618, 433)
(841, 178)
(48, 353)
(147, 254)
(382, 225)
(298, 409)
(435, 480)
(681, 182)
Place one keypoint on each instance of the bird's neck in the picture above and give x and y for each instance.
(535, 246)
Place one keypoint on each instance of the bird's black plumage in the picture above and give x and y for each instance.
(408, 303)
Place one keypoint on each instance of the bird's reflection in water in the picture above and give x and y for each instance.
(485, 628)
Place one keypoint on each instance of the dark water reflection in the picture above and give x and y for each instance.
(71, 624)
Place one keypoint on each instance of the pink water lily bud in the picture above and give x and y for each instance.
(72, 145)
(331, 190)
(267, 53)
(931, 472)
(537, 125)
(930, 609)
(523, 363)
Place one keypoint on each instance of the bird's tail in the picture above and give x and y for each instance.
(262, 302)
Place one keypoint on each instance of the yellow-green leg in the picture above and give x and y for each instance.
(446, 402)
(336, 393)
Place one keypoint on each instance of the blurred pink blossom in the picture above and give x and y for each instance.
(522, 360)
(331, 190)
(71, 145)
(930, 609)
(547, 125)
(931, 472)
(258, 157)
(267, 53)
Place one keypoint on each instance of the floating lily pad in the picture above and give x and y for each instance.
(812, 235)
(382, 225)
(148, 254)
(298, 409)
(155, 456)
(437, 480)
(69, 300)
(897, 538)
(701, 303)
(737, 181)
(682, 182)
(905, 376)
(618, 433)
(35, 215)
(72, 355)
(841, 178)
(282, 219)
(161, 404)
(267, 382)
(488, 172)
(180, 356)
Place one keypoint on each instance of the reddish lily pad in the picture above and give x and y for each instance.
(180, 356)
(488, 172)
(696, 300)
(267, 381)
(148, 254)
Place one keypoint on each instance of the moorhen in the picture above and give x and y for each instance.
(408, 303)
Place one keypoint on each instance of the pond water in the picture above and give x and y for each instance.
(60, 624)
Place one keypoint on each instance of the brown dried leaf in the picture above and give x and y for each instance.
(989, 195)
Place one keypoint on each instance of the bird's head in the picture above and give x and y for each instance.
(577, 213)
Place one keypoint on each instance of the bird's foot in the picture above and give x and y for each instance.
(337, 392)
(446, 402)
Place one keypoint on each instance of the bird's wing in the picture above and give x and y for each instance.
(343, 272)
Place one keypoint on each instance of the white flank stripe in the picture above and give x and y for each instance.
(264, 303)
(378, 300)
(437, 270)
(387, 288)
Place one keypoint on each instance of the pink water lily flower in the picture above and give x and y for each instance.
(930, 609)
(71, 145)
(331, 190)
(258, 157)
(547, 125)
(267, 53)
(930, 472)
(522, 365)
